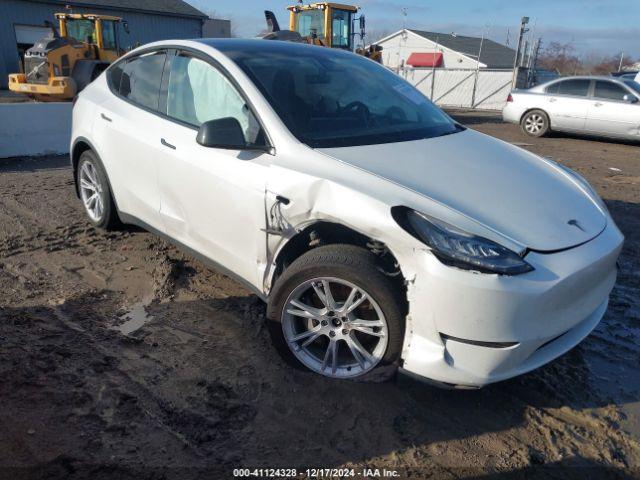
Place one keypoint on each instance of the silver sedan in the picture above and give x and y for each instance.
(604, 106)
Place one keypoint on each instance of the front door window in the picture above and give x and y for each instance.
(198, 92)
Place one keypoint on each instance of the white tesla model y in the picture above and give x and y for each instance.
(380, 232)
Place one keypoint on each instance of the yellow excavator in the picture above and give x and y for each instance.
(57, 67)
(325, 24)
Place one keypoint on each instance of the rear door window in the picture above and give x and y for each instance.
(141, 79)
(576, 88)
(609, 91)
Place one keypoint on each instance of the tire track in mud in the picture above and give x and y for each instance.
(200, 423)
(180, 390)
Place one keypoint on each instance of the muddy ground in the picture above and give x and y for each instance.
(120, 357)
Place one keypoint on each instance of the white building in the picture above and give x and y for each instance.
(443, 50)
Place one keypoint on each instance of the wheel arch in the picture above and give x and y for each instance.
(323, 232)
(528, 110)
(81, 145)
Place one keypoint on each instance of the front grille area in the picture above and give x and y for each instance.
(36, 69)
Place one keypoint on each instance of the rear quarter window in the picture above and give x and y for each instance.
(141, 79)
(114, 75)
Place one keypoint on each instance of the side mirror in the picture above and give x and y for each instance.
(222, 133)
(630, 98)
(227, 133)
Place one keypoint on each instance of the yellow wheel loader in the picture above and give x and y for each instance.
(57, 67)
(324, 24)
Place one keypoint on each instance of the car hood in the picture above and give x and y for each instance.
(507, 189)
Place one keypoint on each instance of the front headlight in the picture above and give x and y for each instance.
(455, 247)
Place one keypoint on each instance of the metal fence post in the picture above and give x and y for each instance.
(475, 86)
(433, 83)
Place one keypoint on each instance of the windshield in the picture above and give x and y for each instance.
(310, 23)
(81, 30)
(330, 98)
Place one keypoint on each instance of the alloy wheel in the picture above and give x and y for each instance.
(91, 191)
(534, 123)
(334, 327)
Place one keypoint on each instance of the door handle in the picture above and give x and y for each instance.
(104, 117)
(552, 99)
(167, 144)
(598, 104)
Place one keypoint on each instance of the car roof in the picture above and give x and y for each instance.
(542, 86)
(588, 77)
(235, 47)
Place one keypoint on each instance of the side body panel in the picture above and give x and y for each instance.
(613, 118)
(128, 144)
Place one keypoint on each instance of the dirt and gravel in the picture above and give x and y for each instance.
(121, 357)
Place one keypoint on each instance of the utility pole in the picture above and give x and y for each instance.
(532, 64)
(475, 80)
(403, 40)
(516, 63)
(621, 59)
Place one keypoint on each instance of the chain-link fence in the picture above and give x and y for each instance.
(462, 88)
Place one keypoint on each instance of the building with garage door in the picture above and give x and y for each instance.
(23, 22)
(418, 48)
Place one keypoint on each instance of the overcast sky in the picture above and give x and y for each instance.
(604, 26)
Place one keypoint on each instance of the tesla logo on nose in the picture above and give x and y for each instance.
(576, 224)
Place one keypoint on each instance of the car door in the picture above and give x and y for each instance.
(567, 103)
(125, 134)
(610, 114)
(212, 199)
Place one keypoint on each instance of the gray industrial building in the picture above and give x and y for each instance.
(22, 23)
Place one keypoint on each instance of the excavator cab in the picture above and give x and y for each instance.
(324, 23)
(59, 66)
(100, 31)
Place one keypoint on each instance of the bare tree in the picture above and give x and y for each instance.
(561, 58)
(374, 35)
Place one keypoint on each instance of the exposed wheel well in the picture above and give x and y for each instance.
(329, 233)
(78, 149)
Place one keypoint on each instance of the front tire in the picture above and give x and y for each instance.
(335, 313)
(535, 123)
(95, 192)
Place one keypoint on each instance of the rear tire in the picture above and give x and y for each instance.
(535, 123)
(336, 338)
(95, 193)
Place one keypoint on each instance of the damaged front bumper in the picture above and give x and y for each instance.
(468, 329)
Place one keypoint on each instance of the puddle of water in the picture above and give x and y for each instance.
(134, 319)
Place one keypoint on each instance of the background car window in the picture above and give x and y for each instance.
(198, 92)
(341, 28)
(109, 34)
(141, 78)
(609, 91)
(578, 88)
